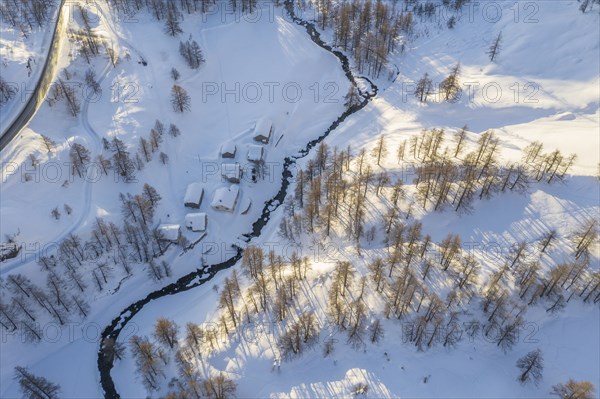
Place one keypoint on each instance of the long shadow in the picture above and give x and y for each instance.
(201, 276)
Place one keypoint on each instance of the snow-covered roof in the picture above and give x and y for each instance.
(7, 246)
(193, 194)
(263, 127)
(255, 152)
(226, 197)
(196, 221)
(228, 148)
(169, 231)
(231, 171)
(7, 250)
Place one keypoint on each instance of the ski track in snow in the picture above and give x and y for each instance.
(95, 146)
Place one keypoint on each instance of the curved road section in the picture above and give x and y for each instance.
(42, 85)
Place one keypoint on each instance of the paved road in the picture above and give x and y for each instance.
(42, 85)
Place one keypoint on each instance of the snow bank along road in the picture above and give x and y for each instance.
(95, 141)
(206, 273)
(42, 85)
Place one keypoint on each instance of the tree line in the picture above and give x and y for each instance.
(372, 30)
(153, 356)
(339, 195)
(81, 267)
(332, 197)
(120, 158)
(88, 44)
(27, 14)
(282, 290)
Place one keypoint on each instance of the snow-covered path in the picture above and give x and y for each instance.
(93, 143)
(20, 110)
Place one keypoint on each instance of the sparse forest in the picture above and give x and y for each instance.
(153, 356)
(344, 196)
(33, 386)
(27, 14)
(371, 31)
(84, 266)
(364, 261)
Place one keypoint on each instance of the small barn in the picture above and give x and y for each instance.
(232, 172)
(225, 198)
(8, 251)
(193, 195)
(169, 232)
(256, 153)
(196, 221)
(263, 130)
(228, 150)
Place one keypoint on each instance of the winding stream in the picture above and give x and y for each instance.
(201, 276)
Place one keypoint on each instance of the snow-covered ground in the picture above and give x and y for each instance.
(391, 368)
(134, 96)
(548, 76)
(537, 89)
(23, 57)
(278, 59)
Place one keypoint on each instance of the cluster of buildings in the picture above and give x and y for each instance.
(224, 198)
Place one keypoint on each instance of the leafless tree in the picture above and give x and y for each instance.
(49, 144)
(172, 25)
(166, 332)
(122, 161)
(164, 158)
(380, 149)
(113, 349)
(175, 75)
(450, 86)
(180, 100)
(33, 386)
(530, 367)
(376, 272)
(219, 387)
(80, 157)
(147, 359)
(229, 295)
(55, 213)
(495, 47)
(574, 390)
(424, 88)
(585, 236)
(69, 93)
(376, 331)
(191, 52)
(174, 130)
(7, 91)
